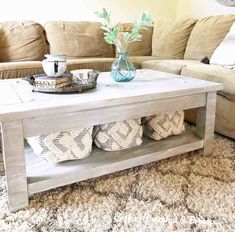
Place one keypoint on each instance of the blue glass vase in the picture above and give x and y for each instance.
(123, 70)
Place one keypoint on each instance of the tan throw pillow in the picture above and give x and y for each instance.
(118, 135)
(77, 39)
(61, 146)
(170, 38)
(163, 125)
(139, 48)
(207, 34)
(22, 41)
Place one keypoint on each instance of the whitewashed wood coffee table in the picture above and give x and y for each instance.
(25, 114)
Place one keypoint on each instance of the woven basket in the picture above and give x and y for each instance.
(61, 146)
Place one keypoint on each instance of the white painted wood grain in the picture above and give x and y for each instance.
(43, 176)
(7, 94)
(46, 124)
(14, 162)
(205, 123)
(148, 85)
(151, 92)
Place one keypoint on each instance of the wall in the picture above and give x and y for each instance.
(122, 10)
(201, 8)
(45, 10)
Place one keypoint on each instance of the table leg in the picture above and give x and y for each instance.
(14, 162)
(205, 124)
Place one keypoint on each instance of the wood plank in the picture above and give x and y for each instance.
(145, 82)
(14, 162)
(7, 94)
(43, 175)
(205, 124)
(47, 124)
(148, 85)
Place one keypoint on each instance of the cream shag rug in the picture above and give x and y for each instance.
(185, 193)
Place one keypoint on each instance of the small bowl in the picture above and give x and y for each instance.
(81, 74)
(54, 65)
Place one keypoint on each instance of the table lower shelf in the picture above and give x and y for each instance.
(42, 176)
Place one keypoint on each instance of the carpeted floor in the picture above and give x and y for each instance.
(186, 193)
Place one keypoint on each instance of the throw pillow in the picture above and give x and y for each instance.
(62, 146)
(77, 39)
(22, 41)
(224, 54)
(118, 135)
(170, 38)
(206, 35)
(162, 125)
(138, 48)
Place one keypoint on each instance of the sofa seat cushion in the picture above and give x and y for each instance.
(139, 59)
(224, 118)
(170, 38)
(20, 69)
(214, 73)
(101, 64)
(171, 66)
(77, 39)
(104, 64)
(206, 35)
(22, 41)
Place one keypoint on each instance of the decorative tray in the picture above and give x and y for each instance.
(64, 84)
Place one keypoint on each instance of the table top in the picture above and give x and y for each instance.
(18, 100)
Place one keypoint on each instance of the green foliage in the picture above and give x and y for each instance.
(111, 34)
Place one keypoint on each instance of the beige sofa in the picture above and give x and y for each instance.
(171, 46)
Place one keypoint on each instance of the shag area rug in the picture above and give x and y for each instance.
(185, 193)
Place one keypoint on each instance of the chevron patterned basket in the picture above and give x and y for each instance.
(118, 135)
(163, 125)
(65, 145)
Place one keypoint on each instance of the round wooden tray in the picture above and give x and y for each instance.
(64, 84)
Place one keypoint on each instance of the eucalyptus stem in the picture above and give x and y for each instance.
(112, 32)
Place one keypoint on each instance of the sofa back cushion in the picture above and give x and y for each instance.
(207, 35)
(77, 39)
(170, 38)
(138, 48)
(22, 41)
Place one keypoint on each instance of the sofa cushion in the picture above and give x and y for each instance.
(139, 59)
(20, 69)
(207, 35)
(104, 64)
(224, 118)
(224, 53)
(22, 41)
(27, 68)
(170, 66)
(214, 73)
(77, 39)
(170, 38)
(101, 64)
(139, 48)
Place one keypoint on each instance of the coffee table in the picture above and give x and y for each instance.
(24, 113)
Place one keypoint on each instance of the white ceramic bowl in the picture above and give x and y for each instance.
(54, 65)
